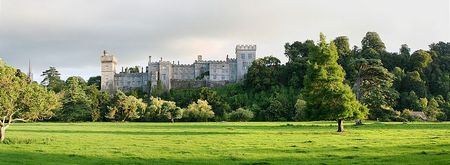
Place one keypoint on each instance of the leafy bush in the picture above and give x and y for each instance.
(241, 114)
(198, 111)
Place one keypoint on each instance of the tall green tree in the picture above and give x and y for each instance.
(262, 74)
(52, 79)
(420, 60)
(77, 106)
(20, 100)
(374, 88)
(373, 41)
(327, 97)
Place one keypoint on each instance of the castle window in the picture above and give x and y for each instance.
(223, 77)
(243, 56)
(214, 77)
(249, 56)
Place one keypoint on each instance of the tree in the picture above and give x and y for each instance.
(262, 74)
(163, 110)
(52, 80)
(77, 106)
(100, 100)
(198, 111)
(96, 81)
(218, 105)
(326, 96)
(420, 60)
(373, 41)
(374, 88)
(20, 100)
(408, 100)
(297, 50)
(433, 111)
(241, 114)
(126, 107)
(413, 82)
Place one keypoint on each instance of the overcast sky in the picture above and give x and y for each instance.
(71, 34)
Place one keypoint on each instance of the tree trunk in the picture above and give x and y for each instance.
(2, 133)
(172, 120)
(358, 122)
(340, 125)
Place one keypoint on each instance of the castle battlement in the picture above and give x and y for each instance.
(245, 47)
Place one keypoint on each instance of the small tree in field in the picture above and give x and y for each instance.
(126, 107)
(163, 110)
(326, 96)
(198, 111)
(21, 100)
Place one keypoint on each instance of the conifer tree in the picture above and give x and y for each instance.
(326, 96)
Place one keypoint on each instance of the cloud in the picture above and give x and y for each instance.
(71, 34)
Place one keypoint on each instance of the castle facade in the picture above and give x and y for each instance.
(208, 73)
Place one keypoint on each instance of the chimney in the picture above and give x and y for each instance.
(122, 69)
(149, 59)
(178, 62)
(199, 57)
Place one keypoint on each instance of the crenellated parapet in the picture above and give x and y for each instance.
(245, 47)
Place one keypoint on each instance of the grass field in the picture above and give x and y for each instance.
(226, 143)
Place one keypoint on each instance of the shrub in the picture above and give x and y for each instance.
(241, 114)
(198, 111)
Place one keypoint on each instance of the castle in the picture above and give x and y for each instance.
(170, 75)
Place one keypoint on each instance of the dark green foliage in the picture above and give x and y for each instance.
(413, 82)
(52, 80)
(76, 104)
(374, 89)
(96, 81)
(263, 74)
(373, 41)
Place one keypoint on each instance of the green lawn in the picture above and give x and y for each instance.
(226, 143)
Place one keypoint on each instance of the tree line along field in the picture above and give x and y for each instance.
(227, 143)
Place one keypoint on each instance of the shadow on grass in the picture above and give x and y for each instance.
(41, 157)
(127, 132)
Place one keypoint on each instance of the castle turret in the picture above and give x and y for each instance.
(245, 55)
(109, 63)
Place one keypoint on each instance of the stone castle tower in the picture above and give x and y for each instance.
(109, 64)
(245, 55)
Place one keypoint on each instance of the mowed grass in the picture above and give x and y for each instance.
(226, 143)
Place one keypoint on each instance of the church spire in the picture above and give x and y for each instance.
(30, 74)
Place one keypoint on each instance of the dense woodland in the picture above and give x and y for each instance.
(320, 81)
